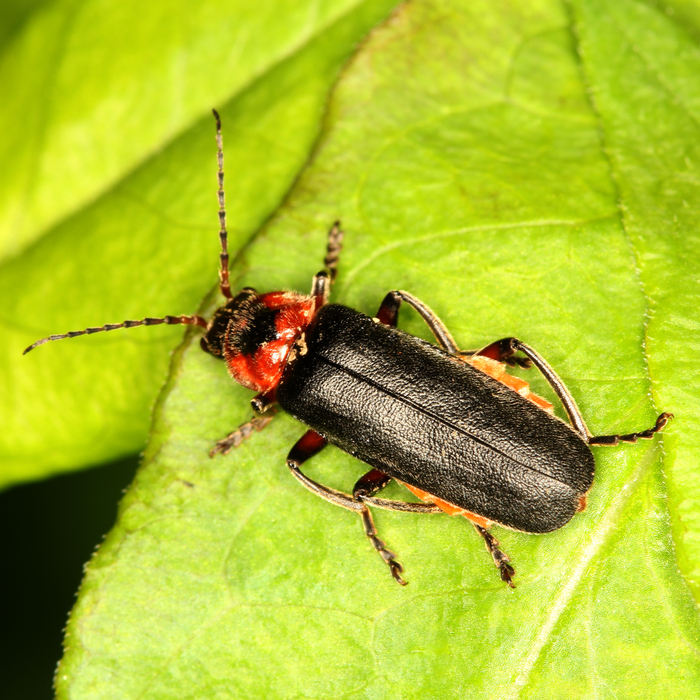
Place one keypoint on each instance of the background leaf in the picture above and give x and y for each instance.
(526, 169)
(648, 109)
(108, 192)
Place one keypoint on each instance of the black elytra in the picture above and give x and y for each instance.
(410, 410)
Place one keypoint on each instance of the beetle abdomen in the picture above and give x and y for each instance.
(419, 415)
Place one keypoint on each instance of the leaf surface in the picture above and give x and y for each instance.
(524, 168)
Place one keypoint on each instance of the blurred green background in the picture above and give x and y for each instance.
(51, 529)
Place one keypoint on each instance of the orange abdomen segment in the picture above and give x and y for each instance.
(497, 370)
(448, 507)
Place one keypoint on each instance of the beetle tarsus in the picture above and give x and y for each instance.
(507, 572)
(647, 434)
(500, 558)
(243, 432)
(386, 554)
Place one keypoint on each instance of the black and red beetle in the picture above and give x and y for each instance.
(452, 426)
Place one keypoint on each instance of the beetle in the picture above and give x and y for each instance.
(457, 430)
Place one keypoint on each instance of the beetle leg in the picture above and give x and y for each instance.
(263, 402)
(243, 432)
(312, 443)
(389, 314)
(373, 482)
(369, 484)
(401, 506)
(500, 558)
(321, 285)
(386, 554)
(345, 500)
(501, 351)
(632, 437)
(321, 288)
(509, 346)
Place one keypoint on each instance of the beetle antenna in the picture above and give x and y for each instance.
(224, 284)
(169, 320)
(335, 244)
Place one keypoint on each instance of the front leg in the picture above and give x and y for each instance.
(260, 403)
(322, 282)
(243, 432)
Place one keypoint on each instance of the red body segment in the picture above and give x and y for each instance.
(261, 369)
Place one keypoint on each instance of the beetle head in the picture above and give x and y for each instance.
(255, 332)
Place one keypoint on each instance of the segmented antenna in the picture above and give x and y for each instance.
(223, 234)
(335, 244)
(170, 320)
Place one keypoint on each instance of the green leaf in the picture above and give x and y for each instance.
(134, 130)
(648, 109)
(527, 169)
(13, 14)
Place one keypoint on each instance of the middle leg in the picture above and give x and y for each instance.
(389, 314)
(312, 443)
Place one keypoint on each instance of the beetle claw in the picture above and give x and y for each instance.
(395, 566)
(396, 570)
(500, 558)
(502, 561)
(390, 558)
(507, 573)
